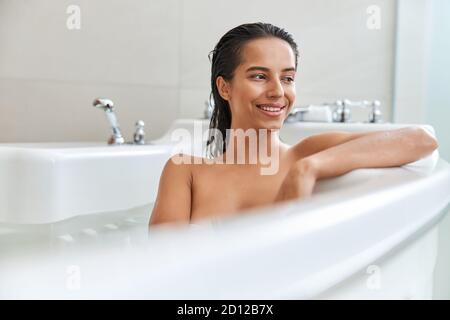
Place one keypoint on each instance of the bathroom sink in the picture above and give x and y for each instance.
(48, 182)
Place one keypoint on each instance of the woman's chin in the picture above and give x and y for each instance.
(271, 125)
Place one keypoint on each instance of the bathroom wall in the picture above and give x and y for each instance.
(437, 106)
(50, 74)
(422, 75)
(422, 71)
(150, 58)
(339, 55)
(438, 78)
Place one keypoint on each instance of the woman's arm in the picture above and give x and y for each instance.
(376, 149)
(322, 141)
(173, 203)
(382, 149)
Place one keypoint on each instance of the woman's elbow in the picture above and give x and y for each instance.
(429, 142)
(422, 142)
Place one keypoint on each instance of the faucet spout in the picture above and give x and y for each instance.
(108, 106)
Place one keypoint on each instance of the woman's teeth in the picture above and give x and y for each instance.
(270, 109)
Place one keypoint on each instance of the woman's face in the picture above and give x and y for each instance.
(262, 91)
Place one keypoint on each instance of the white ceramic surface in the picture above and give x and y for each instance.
(323, 247)
(49, 182)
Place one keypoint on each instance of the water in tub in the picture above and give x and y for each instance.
(120, 229)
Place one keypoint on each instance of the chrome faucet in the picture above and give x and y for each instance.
(296, 114)
(375, 114)
(342, 111)
(209, 108)
(108, 106)
(139, 134)
(116, 138)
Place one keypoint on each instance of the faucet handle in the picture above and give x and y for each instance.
(341, 112)
(375, 115)
(139, 134)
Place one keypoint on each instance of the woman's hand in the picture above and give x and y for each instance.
(299, 181)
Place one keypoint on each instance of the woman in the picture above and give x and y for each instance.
(253, 87)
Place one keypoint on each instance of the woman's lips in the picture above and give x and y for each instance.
(275, 112)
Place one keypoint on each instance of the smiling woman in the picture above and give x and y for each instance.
(252, 80)
(253, 85)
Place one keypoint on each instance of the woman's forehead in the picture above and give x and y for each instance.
(268, 52)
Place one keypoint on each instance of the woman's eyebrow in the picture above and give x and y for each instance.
(267, 69)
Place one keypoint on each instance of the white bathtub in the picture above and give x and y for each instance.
(372, 233)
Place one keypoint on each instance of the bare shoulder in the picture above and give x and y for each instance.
(185, 164)
(179, 163)
(173, 202)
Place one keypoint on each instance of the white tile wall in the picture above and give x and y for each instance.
(119, 42)
(151, 58)
(339, 56)
(412, 55)
(46, 110)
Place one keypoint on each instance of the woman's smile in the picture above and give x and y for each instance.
(265, 81)
(271, 109)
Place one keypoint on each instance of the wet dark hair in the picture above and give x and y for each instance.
(225, 59)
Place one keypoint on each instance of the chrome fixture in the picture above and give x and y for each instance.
(116, 138)
(139, 134)
(313, 113)
(209, 107)
(297, 113)
(375, 115)
(341, 111)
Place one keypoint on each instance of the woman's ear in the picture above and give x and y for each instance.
(223, 87)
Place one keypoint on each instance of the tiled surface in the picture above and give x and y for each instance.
(119, 42)
(339, 55)
(59, 111)
(151, 58)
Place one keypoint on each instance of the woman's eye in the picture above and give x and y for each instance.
(290, 79)
(259, 76)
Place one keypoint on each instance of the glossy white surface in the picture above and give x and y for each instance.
(298, 250)
(315, 248)
(49, 182)
(290, 133)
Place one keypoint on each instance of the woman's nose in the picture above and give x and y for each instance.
(275, 89)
